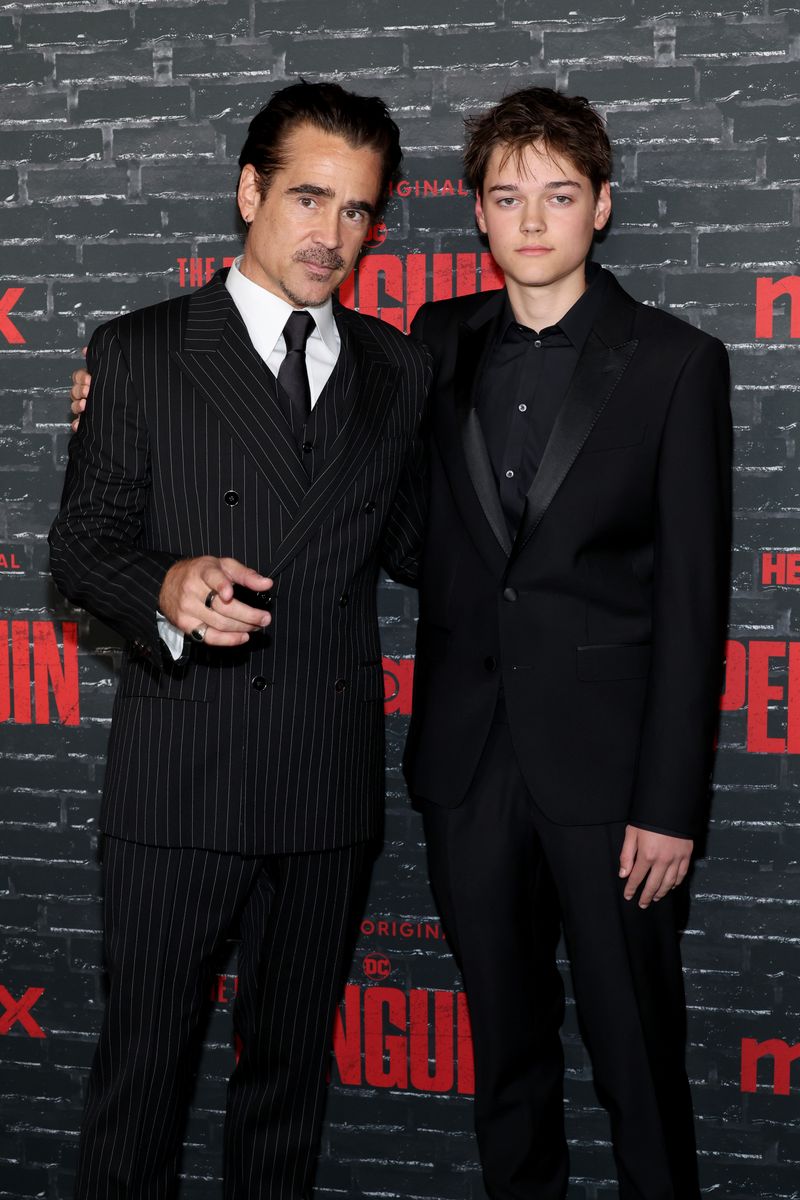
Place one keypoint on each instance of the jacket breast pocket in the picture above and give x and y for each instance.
(623, 661)
(615, 437)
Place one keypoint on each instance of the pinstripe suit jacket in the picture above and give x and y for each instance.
(276, 747)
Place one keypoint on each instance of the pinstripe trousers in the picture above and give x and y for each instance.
(166, 913)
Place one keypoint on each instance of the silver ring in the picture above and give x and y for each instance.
(198, 634)
(209, 600)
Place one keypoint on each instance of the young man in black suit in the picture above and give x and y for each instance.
(572, 609)
(250, 435)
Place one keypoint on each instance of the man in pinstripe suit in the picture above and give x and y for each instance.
(227, 506)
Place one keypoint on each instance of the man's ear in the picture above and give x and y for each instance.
(248, 194)
(602, 206)
(479, 217)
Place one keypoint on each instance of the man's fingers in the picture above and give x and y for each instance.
(245, 576)
(628, 853)
(653, 885)
(668, 882)
(640, 869)
(214, 637)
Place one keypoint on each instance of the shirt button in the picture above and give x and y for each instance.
(538, 344)
(258, 682)
(509, 474)
(490, 663)
(308, 447)
(231, 498)
(523, 408)
(340, 685)
(510, 594)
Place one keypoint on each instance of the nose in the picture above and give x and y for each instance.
(328, 231)
(532, 219)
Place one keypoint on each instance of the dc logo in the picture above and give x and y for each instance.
(377, 966)
(376, 235)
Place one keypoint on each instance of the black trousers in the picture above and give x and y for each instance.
(504, 879)
(167, 911)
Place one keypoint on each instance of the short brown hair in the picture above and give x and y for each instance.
(360, 120)
(567, 125)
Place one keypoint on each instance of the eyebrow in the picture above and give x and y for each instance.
(314, 189)
(554, 185)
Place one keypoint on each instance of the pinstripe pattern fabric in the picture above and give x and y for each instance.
(167, 911)
(276, 747)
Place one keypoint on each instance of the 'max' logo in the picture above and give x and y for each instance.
(782, 1055)
(768, 291)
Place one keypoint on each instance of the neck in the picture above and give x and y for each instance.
(539, 307)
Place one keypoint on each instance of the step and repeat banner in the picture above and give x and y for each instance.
(121, 124)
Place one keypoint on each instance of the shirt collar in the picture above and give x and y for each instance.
(576, 324)
(270, 313)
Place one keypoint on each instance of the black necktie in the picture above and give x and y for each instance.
(292, 375)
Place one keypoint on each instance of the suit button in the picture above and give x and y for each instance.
(231, 498)
(510, 594)
(308, 447)
(344, 600)
(490, 663)
(340, 685)
(265, 599)
(369, 507)
(258, 682)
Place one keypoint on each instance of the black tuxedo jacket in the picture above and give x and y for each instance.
(604, 621)
(183, 450)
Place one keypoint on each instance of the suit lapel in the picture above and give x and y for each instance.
(601, 366)
(373, 382)
(462, 444)
(218, 357)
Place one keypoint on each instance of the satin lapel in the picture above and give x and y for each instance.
(375, 386)
(473, 346)
(597, 374)
(462, 444)
(218, 357)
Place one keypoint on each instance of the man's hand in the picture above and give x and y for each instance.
(193, 581)
(80, 390)
(657, 857)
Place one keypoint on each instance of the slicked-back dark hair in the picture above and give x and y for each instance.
(565, 125)
(360, 120)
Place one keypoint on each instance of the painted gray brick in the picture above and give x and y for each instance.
(105, 65)
(715, 39)
(681, 165)
(136, 102)
(315, 56)
(192, 21)
(620, 43)
(753, 81)
(76, 26)
(50, 145)
(632, 83)
(507, 48)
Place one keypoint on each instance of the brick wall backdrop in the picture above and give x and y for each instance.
(120, 128)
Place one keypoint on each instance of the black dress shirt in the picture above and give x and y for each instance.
(523, 383)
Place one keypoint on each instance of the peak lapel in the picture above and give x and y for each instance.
(374, 381)
(218, 357)
(601, 366)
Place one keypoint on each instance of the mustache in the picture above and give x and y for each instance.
(320, 258)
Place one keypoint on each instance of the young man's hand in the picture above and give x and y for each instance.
(658, 858)
(80, 390)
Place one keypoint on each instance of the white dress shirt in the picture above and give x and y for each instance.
(265, 315)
